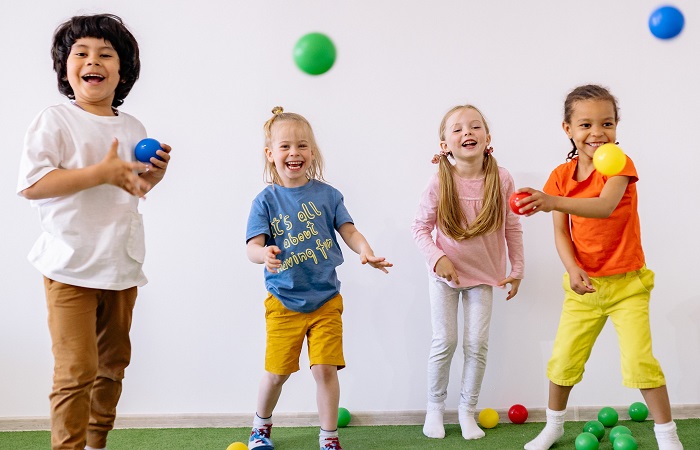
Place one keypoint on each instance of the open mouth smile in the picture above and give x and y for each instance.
(469, 143)
(595, 145)
(93, 78)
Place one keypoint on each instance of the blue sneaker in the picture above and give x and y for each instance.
(260, 438)
(331, 443)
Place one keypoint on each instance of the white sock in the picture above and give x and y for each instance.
(553, 430)
(434, 426)
(259, 422)
(667, 436)
(327, 439)
(326, 433)
(87, 447)
(470, 429)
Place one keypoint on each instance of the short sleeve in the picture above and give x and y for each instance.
(42, 152)
(258, 220)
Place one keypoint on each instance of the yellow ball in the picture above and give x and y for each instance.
(237, 446)
(609, 159)
(488, 418)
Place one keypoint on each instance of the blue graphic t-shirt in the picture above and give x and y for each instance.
(302, 222)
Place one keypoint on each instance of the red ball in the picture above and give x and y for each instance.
(517, 413)
(515, 197)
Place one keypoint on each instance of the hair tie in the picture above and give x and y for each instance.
(277, 110)
(488, 151)
(442, 154)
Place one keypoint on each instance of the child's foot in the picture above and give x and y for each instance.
(547, 437)
(260, 438)
(667, 436)
(470, 429)
(552, 431)
(330, 443)
(434, 426)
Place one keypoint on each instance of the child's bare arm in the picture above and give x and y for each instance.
(111, 170)
(357, 243)
(580, 282)
(260, 254)
(596, 207)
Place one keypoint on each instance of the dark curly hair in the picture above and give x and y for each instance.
(109, 27)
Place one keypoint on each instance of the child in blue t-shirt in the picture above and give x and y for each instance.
(291, 230)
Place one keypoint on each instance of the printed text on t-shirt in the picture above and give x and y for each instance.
(282, 226)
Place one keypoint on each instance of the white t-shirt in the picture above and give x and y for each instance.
(93, 238)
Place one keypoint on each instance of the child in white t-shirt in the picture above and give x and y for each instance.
(78, 169)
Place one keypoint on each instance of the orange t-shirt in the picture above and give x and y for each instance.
(607, 246)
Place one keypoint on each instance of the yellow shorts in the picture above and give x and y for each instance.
(625, 299)
(286, 330)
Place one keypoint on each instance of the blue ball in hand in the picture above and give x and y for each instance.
(146, 149)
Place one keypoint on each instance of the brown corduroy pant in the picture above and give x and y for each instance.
(90, 342)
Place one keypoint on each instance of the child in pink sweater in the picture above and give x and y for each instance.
(465, 204)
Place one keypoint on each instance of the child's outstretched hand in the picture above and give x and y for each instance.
(580, 282)
(357, 242)
(536, 202)
(378, 262)
(514, 286)
(272, 264)
(445, 269)
(120, 173)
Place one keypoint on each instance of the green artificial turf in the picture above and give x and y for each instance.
(504, 436)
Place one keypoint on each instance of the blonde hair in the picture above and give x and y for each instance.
(315, 170)
(450, 217)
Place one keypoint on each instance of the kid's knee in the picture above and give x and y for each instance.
(274, 379)
(324, 373)
(477, 350)
(444, 345)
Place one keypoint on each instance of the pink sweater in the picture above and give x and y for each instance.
(480, 260)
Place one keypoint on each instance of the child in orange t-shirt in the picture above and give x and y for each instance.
(597, 235)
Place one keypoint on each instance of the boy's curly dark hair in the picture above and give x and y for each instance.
(109, 27)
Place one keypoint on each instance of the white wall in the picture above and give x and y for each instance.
(212, 70)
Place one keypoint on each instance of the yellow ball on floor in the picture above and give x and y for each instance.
(237, 446)
(488, 418)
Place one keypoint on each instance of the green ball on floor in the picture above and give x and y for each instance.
(596, 428)
(625, 442)
(638, 412)
(617, 431)
(608, 416)
(586, 441)
(344, 417)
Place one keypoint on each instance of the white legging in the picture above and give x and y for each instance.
(477, 306)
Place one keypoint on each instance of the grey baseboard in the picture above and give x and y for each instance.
(310, 419)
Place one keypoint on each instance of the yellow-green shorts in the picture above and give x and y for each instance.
(625, 299)
(286, 330)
